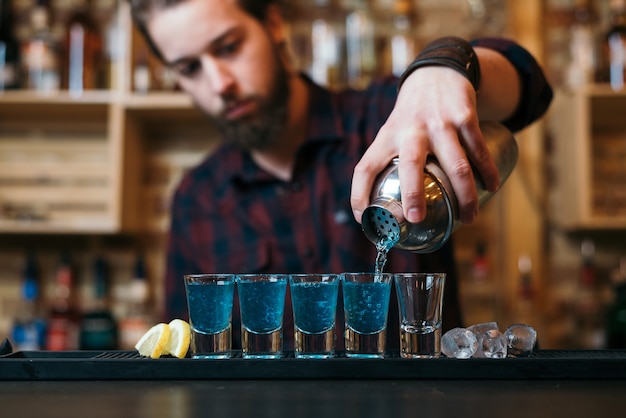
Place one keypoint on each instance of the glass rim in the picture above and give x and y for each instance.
(268, 277)
(197, 275)
(316, 277)
(420, 274)
(367, 277)
(366, 273)
(209, 278)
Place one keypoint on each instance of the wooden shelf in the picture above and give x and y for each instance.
(158, 100)
(61, 97)
(589, 131)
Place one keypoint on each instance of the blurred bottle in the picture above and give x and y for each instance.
(583, 63)
(616, 312)
(360, 45)
(613, 66)
(142, 75)
(588, 305)
(63, 317)
(526, 291)
(98, 328)
(29, 327)
(480, 264)
(326, 33)
(402, 42)
(82, 51)
(40, 52)
(114, 47)
(9, 49)
(136, 318)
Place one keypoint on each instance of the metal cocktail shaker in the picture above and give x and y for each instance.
(383, 221)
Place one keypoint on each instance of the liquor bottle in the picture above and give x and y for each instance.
(526, 292)
(583, 45)
(9, 49)
(63, 318)
(616, 312)
(82, 51)
(402, 45)
(142, 75)
(319, 39)
(114, 51)
(588, 306)
(136, 319)
(40, 52)
(613, 67)
(98, 328)
(29, 327)
(360, 45)
(480, 263)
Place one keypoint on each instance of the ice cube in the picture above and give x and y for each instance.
(493, 344)
(479, 330)
(459, 343)
(521, 339)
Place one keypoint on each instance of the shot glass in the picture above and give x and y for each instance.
(366, 307)
(262, 305)
(314, 302)
(420, 303)
(210, 305)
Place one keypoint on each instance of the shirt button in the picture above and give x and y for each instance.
(296, 187)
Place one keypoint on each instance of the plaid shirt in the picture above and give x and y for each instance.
(230, 216)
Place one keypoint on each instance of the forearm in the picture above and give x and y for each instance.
(535, 94)
(499, 92)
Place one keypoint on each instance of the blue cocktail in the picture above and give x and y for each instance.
(210, 305)
(366, 307)
(314, 300)
(262, 304)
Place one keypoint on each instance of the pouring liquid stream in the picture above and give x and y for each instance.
(383, 245)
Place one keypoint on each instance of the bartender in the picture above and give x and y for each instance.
(285, 191)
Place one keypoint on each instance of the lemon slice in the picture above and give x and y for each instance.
(152, 343)
(178, 343)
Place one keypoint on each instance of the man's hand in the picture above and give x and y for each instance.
(435, 114)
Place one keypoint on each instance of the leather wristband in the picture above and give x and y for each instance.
(451, 52)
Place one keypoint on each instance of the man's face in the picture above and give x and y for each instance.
(230, 65)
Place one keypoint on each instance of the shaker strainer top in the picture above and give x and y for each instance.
(379, 224)
(383, 222)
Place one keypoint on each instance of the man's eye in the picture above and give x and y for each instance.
(228, 49)
(188, 69)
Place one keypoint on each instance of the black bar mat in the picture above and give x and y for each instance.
(128, 365)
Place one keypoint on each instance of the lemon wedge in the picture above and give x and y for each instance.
(180, 336)
(153, 342)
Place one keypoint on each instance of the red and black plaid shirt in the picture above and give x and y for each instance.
(230, 216)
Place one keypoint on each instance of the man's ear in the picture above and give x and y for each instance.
(275, 24)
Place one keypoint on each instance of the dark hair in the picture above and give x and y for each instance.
(141, 10)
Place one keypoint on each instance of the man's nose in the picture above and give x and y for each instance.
(218, 74)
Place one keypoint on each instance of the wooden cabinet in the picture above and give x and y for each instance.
(101, 162)
(589, 131)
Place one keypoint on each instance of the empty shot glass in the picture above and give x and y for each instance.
(210, 306)
(366, 308)
(314, 302)
(262, 305)
(420, 300)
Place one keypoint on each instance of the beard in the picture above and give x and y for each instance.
(263, 130)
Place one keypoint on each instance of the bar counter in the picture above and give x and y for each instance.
(317, 398)
(551, 384)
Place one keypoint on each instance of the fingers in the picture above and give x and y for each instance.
(413, 156)
(480, 157)
(454, 163)
(371, 164)
(455, 148)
